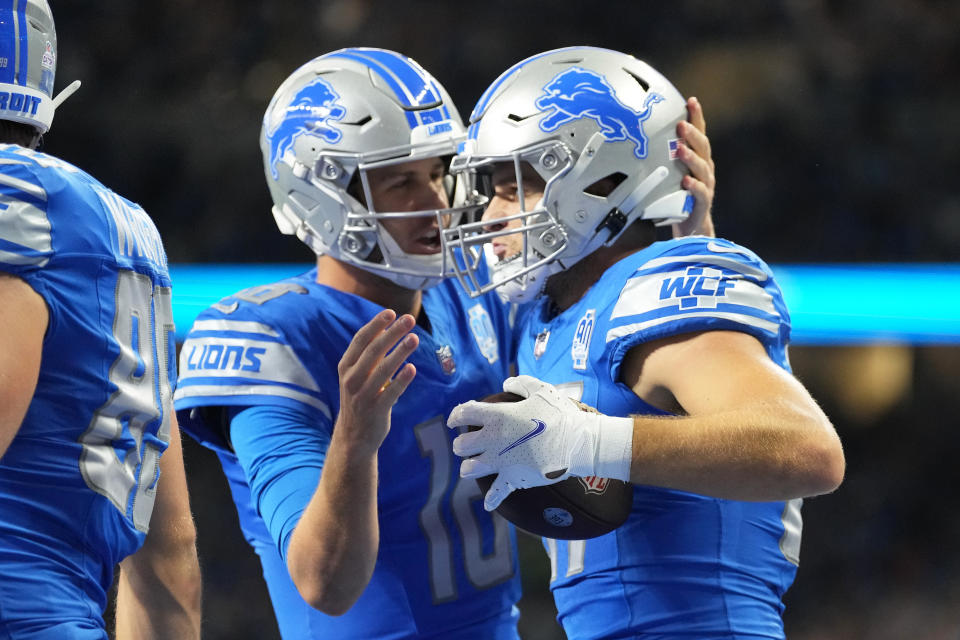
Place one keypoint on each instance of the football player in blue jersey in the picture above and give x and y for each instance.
(91, 470)
(680, 344)
(336, 451)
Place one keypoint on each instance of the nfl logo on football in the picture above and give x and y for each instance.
(593, 484)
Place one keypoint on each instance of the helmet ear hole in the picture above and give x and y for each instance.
(355, 190)
(605, 186)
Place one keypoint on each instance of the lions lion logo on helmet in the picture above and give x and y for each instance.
(309, 113)
(577, 93)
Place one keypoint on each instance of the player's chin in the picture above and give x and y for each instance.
(426, 246)
(511, 257)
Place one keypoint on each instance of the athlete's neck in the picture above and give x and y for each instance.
(351, 279)
(567, 287)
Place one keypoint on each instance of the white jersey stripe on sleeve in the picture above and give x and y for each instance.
(239, 326)
(193, 391)
(29, 188)
(714, 260)
(7, 257)
(764, 325)
(26, 225)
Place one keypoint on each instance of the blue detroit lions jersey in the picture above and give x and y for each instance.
(77, 482)
(683, 565)
(445, 567)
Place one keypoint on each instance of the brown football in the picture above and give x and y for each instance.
(572, 509)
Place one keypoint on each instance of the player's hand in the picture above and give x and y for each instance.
(368, 386)
(695, 153)
(533, 442)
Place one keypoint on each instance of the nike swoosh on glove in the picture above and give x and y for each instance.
(542, 439)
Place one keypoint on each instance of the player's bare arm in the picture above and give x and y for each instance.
(745, 430)
(695, 152)
(158, 592)
(333, 549)
(749, 430)
(23, 320)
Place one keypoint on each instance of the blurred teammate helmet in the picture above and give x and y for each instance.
(28, 45)
(331, 122)
(581, 117)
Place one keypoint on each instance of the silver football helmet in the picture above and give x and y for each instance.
(331, 122)
(579, 116)
(29, 45)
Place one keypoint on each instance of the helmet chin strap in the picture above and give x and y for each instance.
(527, 287)
(65, 93)
(403, 267)
(648, 184)
(47, 107)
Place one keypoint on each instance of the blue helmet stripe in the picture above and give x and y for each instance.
(492, 89)
(23, 56)
(8, 42)
(399, 91)
(420, 86)
(413, 86)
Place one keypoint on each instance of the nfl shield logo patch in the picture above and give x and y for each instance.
(540, 345)
(445, 356)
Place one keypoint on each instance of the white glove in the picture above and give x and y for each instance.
(540, 440)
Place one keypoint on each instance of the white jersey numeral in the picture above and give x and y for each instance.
(482, 570)
(576, 555)
(792, 530)
(576, 549)
(117, 461)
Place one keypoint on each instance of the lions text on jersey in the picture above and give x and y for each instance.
(683, 565)
(445, 567)
(77, 483)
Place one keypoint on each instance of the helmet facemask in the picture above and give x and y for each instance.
(366, 236)
(521, 275)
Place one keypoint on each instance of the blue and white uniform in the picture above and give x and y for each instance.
(684, 565)
(77, 483)
(268, 357)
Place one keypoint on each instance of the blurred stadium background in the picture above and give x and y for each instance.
(835, 131)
